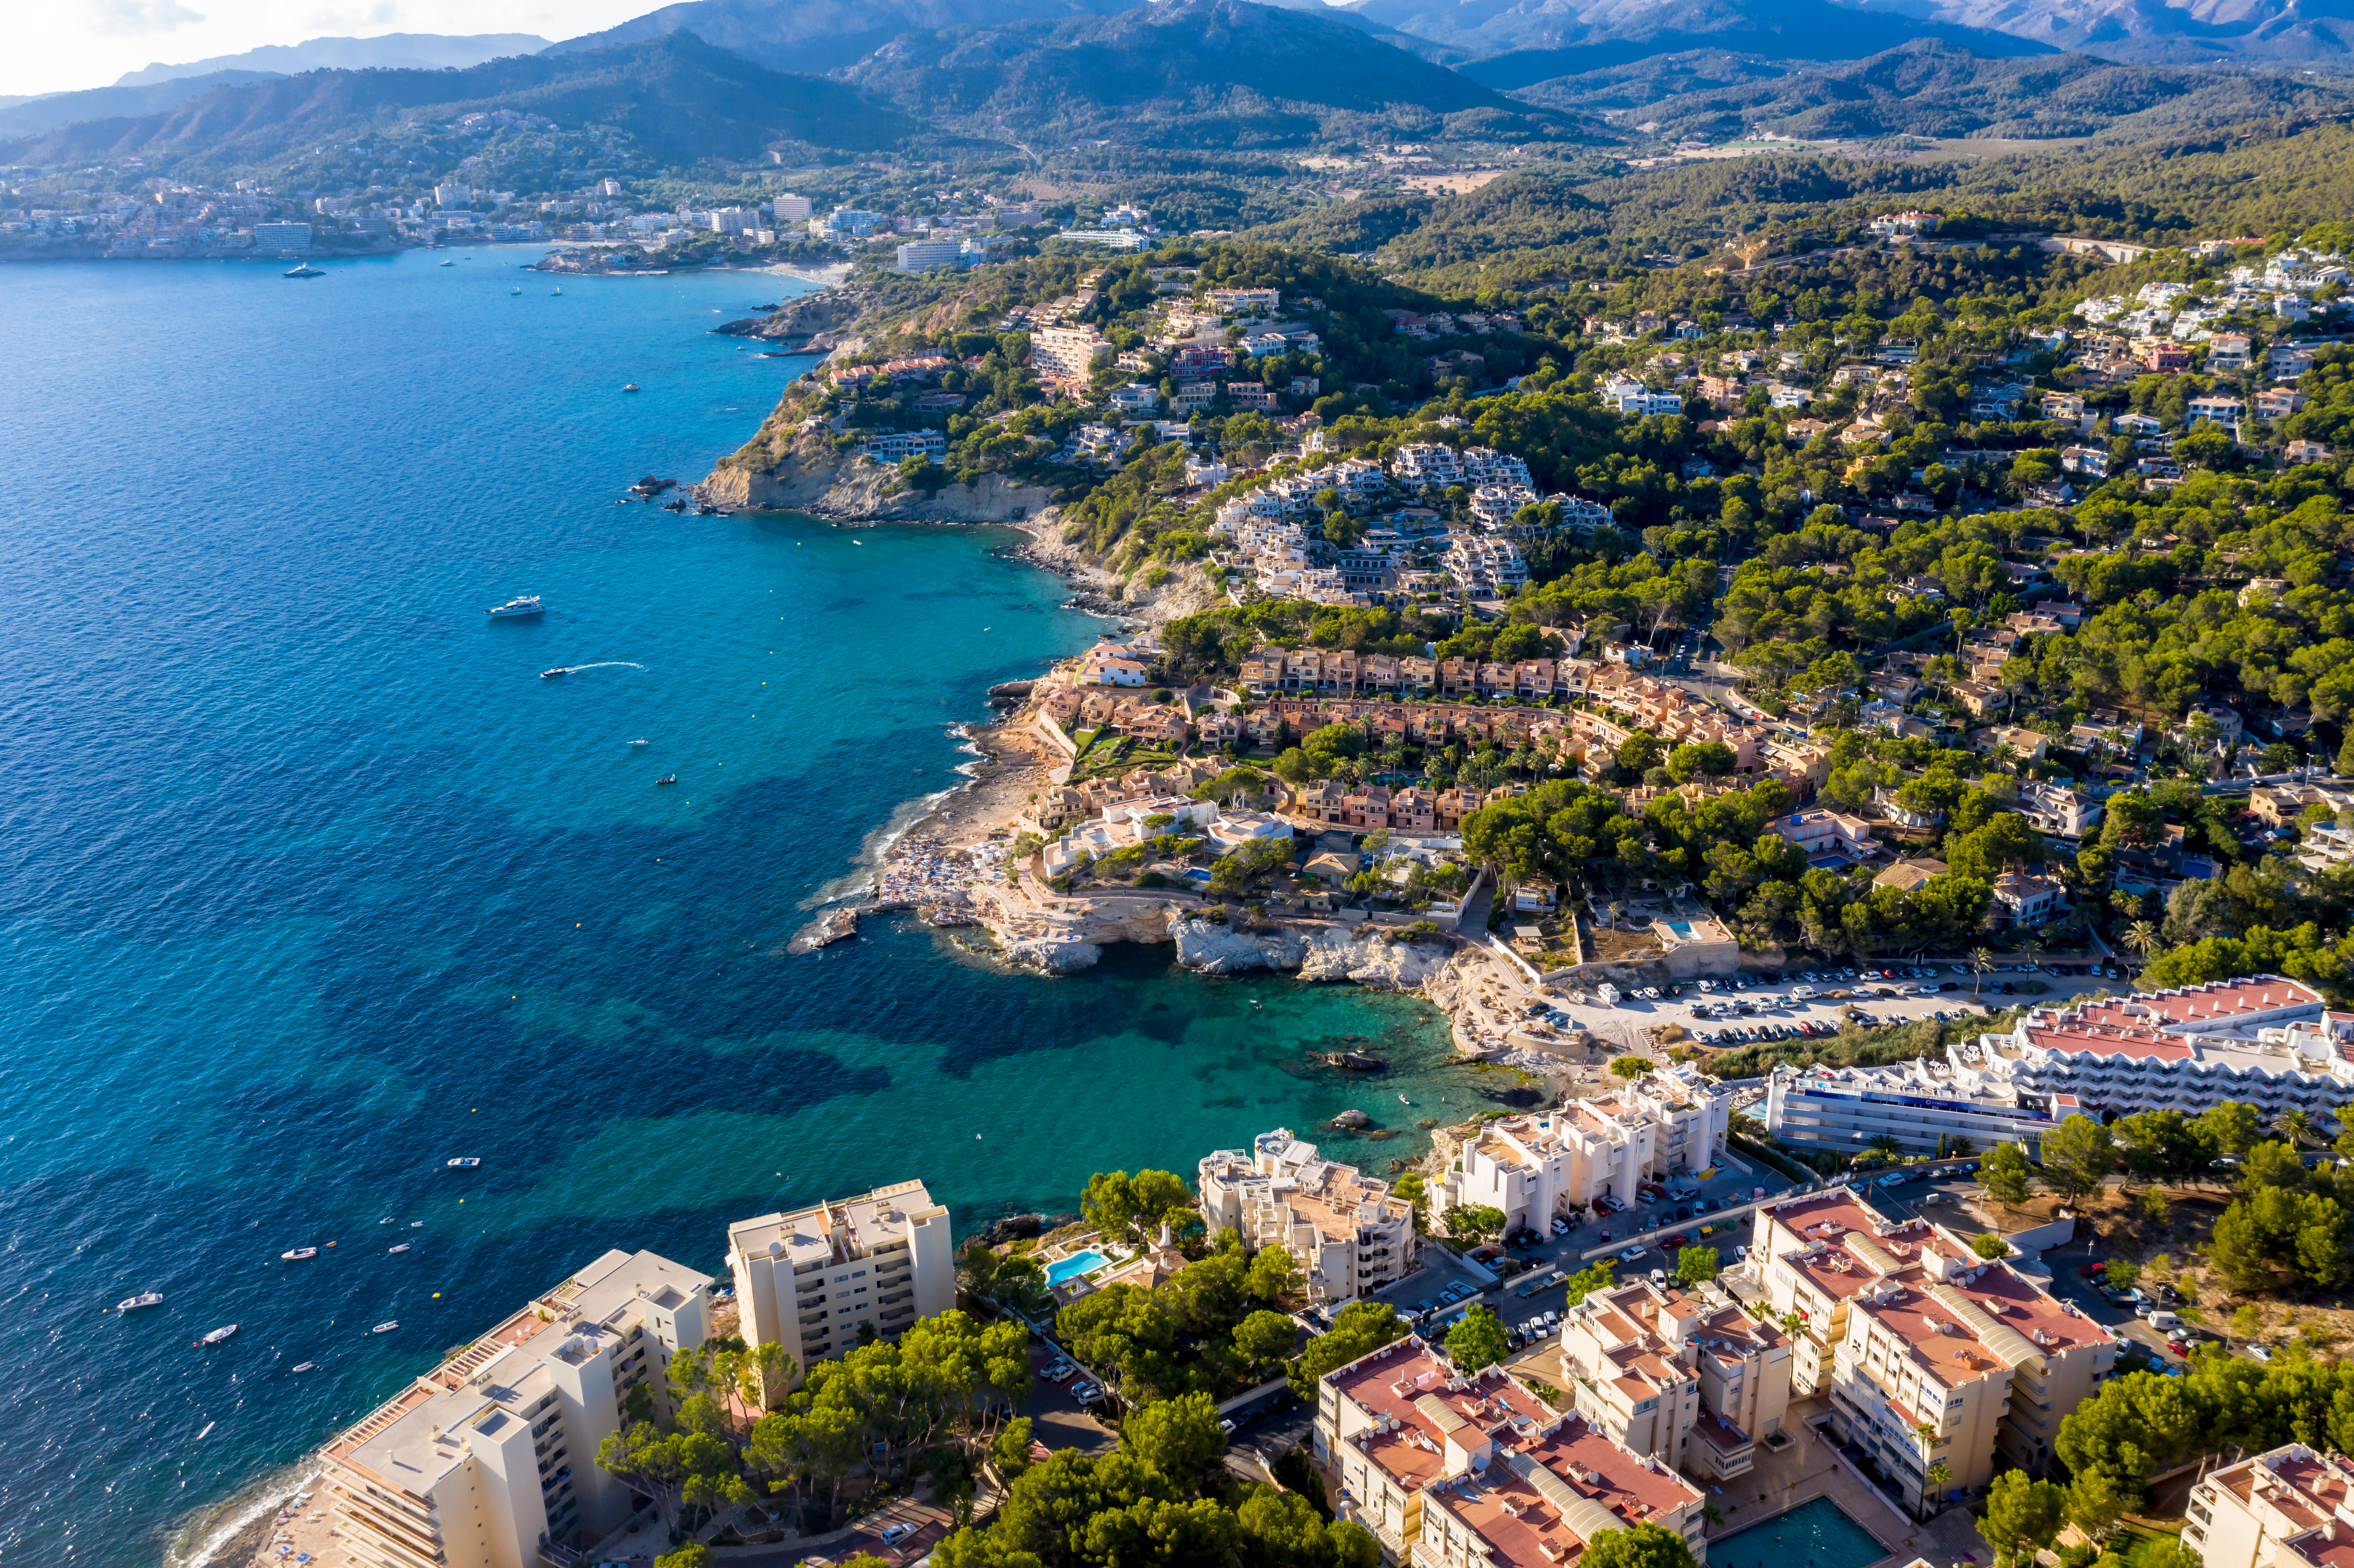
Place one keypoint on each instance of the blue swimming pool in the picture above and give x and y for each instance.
(1681, 929)
(1818, 1534)
(1064, 1270)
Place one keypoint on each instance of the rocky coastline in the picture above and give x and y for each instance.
(950, 865)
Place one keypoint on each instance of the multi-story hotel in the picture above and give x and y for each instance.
(2268, 1043)
(1685, 1375)
(492, 1456)
(1350, 1232)
(1451, 1471)
(810, 1280)
(2290, 1508)
(1534, 1167)
(1916, 1103)
(1931, 1353)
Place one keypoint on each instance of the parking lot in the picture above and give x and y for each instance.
(1057, 1417)
(1734, 1010)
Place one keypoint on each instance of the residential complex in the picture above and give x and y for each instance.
(2266, 1042)
(1533, 1167)
(1688, 1376)
(1930, 1353)
(492, 1456)
(1455, 1471)
(2287, 1509)
(812, 1279)
(1348, 1231)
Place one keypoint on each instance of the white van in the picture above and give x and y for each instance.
(2165, 1322)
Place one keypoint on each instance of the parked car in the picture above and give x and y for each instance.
(894, 1534)
(1630, 1255)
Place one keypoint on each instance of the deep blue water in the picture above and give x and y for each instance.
(312, 883)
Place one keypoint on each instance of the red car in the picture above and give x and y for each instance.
(1676, 1243)
(2094, 1270)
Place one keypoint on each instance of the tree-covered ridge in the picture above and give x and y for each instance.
(1215, 73)
(1549, 225)
(678, 98)
(1928, 87)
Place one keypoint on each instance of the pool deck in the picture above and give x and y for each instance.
(1810, 1468)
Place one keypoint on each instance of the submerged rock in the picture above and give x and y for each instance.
(1353, 1118)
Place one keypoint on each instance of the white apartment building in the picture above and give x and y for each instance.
(1916, 1103)
(492, 1456)
(2265, 1041)
(917, 255)
(1494, 505)
(1685, 1375)
(1067, 354)
(1429, 465)
(1536, 1166)
(2290, 1508)
(810, 1280)
(1348, 1233)
(1483, 566)
(1907, 1328)
(1455, 1471)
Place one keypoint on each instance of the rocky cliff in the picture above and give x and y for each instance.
(1322, 953)
(851, 489)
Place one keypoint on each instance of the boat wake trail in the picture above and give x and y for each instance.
(602, 664)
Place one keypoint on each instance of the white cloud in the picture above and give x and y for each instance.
(138, 16)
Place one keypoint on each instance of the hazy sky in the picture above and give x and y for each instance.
(57, 45)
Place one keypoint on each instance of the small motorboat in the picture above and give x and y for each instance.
(385, 1221)
(1403, 1101)
(402, 1247)
(466, 1162)
(215, 1337)
(144, 1298)
(552, 674)
(637, 743)
(630, 386)
(518, 288)
(302, 1367)
(302, 269)
(667, 779)
(386, 1328)
(557, 289)
(448, 263)
(416, 1225)
(298, 1253)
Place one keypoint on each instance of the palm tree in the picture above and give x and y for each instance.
(2298, 1126)
(1981, 960)
(2141, 936)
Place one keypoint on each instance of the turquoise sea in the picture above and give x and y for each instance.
(312, 884)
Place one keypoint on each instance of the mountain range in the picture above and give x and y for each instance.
(1931, 89)
(731, 79)
(388, 51)
(680, 97)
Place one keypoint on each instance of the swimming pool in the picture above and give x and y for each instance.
(1818, 1534)
(1064, 1270)
(1681, 929)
